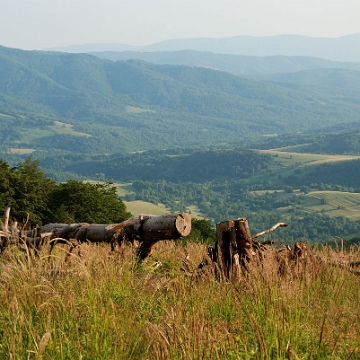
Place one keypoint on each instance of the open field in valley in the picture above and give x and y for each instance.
(333, 203)
(21, 151)
(142, 207)
(29, 135)
(291, 158)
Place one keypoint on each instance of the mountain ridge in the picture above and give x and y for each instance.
(234, 64)
(344, 48)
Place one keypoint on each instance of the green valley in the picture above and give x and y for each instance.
(132, 105)
(284, 147)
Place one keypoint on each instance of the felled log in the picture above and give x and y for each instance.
(147, 229)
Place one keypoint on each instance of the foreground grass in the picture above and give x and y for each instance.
(103, 306)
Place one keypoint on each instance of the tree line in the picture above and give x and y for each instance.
(30, 193)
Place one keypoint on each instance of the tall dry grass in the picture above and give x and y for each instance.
(106, 306)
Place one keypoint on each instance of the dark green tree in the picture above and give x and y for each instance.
(201, 231)
(6, 191)
(25, 188)
(75, 201)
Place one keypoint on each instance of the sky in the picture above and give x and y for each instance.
(41, 24)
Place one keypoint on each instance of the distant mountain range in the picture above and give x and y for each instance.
(80, 103)
(345, 48)
(234, 64)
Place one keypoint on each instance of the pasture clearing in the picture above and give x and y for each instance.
(122, 189)
(143, 207)
(137, 110)
(194, 211)
(67, 129)
(287, 159)
(6, 116)
(334, 203)
(30, 135)
(21, 151)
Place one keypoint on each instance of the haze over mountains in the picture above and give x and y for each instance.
(345, 48)
(135, 105)
(234, 64)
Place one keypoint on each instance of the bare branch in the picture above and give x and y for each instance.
(269, 230)
(6, 221)
(25, 222)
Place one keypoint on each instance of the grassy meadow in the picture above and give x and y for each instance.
(288, 159)
(105, 305)
(332, 203)
(137, 110)
(143, 207)
(29, 135)
(21, 151)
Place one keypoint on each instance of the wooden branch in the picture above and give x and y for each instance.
(269, 230)
(25, 222)
(73, 244)
(14, 229)
(6, 221)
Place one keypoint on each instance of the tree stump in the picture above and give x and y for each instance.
(233, 248)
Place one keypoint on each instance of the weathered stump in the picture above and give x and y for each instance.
(233, 248)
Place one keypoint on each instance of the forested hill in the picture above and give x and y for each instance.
(131, 105)
(327, 81)
(197, 166)
(234, 64)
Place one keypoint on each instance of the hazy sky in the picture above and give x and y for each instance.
(39, 24)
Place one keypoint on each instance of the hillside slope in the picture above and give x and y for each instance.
(133, 105)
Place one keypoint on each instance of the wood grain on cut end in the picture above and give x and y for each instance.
(183, 224)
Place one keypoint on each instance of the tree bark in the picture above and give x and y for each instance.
(149, 229)
(233, 248)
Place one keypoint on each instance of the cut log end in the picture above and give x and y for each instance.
(183, 224)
